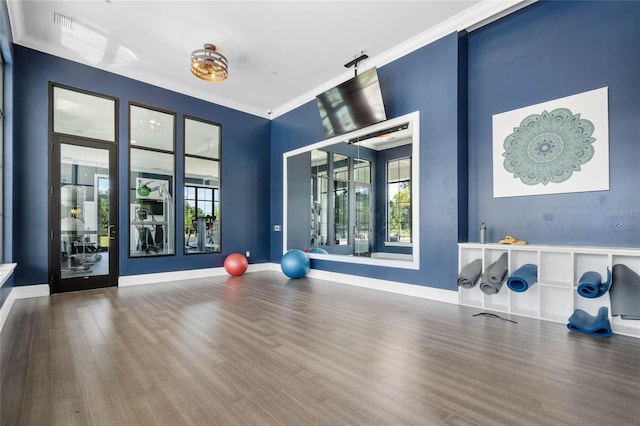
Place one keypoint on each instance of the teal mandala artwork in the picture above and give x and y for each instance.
(548, 147)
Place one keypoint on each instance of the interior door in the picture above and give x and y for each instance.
(83, 216)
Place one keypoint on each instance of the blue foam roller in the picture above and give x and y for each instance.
(599, 325)
(591, 285)
(523, 278)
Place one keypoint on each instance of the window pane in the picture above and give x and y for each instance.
(205, 194)
(202, 172)
(341, 212)
(202, 233)
(362, 170)
(319, 212)
(151, 128)
(152, 208)
(319, 162)
(201, 139)
(82, 114)
(399, 200)
(190, 193)
(404, 169)
(340, 167)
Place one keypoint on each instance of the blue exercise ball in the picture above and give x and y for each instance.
(295, 264)
(318, 250)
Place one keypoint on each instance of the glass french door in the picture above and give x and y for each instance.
(83, 215)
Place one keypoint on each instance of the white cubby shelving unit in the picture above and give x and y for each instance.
(553, 297)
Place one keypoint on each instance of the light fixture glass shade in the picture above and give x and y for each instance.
(208, 64)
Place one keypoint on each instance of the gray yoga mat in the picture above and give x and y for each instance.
(625, 293)
(469, 274)
(493, 278)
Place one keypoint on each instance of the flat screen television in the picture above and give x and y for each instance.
(352, 105)
(152, 207)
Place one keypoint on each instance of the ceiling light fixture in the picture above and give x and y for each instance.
(208, 64)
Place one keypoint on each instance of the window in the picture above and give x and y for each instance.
(319, 197)
(363, 191)
(202, 186)
(82, 114)
(399, 201)
(152, 177)
(341, 199)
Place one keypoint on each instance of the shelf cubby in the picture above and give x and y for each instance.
(554, 296)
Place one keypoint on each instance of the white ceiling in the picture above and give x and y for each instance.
(281, 53)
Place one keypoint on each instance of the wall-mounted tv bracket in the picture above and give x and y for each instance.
(355, 61)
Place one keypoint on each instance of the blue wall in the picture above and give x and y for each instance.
(6, 50)
(547, 51)
(245, 166)
(426, 81)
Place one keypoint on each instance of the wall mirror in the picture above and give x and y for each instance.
(355, 197)
(202, 186)
(151, 182)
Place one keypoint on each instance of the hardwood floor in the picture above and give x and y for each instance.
(261, 349)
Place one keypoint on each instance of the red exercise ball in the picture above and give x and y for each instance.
(236, 264)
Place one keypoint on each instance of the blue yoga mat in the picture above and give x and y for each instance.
(599, 325)
(591, 285)
(523, 278)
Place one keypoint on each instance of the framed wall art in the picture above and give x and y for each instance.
(559, 146)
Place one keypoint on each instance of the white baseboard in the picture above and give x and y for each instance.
(161, 277)
(431, 293)
(437, 294)
(6, 308)
(27, 291)
(21, 292)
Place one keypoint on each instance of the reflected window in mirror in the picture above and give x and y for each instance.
(399, 201)
(319, 197)
(363, 207)
(152, 182)
(340, 166)
(202, 186)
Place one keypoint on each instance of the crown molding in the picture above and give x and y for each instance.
(473, 18)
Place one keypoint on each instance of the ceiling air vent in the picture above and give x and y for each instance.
(63, 20)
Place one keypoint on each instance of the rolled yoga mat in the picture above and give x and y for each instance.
(625, 293)
(469, 274)
(493, 278)
(523, 278)
(582, 322)
(591, 285)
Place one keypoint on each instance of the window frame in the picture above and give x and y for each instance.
(399, 181)
(217, 222)
(171, 224)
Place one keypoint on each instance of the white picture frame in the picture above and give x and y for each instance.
(559, 146)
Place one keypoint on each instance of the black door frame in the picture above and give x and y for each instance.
(56, 283)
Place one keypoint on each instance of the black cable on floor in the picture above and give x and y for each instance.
(494, 315)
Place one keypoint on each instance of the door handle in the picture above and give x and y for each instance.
(111, 232)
